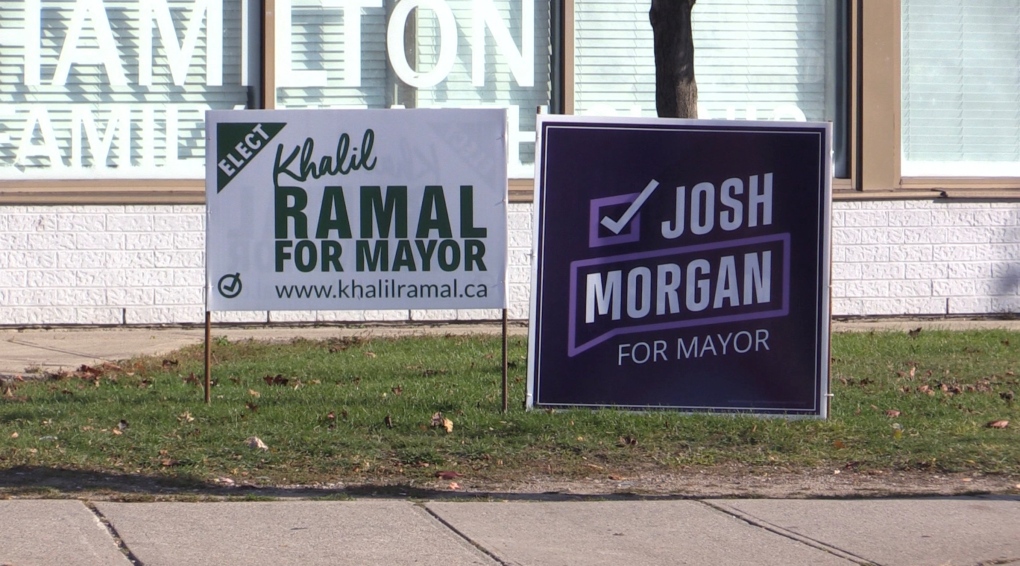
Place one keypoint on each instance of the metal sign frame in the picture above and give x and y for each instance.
(681, 264)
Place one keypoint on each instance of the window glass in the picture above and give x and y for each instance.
(418, 54)
(960, 79)
(116, 88)
(753, 59)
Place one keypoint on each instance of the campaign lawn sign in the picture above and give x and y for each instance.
(356, 209)
(681, 265)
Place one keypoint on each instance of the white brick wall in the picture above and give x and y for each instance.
(145, 264)
(924, 257)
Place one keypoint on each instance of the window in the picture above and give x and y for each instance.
(420, 54)
(775, 60)
(117, 89)
(960, 85)
(753, 60)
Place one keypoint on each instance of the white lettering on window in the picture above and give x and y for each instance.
(118, 123)
(27, 39)
(447, 43)
(521, 61)
(286, 76)
(105, 54)
(352, 35)
(179, 55)
(48, 148)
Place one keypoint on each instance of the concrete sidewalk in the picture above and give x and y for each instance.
(38, 350)
(33, 350)
(939, 532)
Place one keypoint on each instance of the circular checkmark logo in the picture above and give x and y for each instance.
(230, 285)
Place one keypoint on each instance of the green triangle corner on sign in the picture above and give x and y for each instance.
(237, 144)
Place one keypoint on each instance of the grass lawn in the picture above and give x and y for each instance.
(397, 411)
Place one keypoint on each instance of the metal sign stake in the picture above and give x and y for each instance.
(208, 354)
(506, 399)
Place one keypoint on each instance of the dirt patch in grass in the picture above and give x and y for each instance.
(708, 482)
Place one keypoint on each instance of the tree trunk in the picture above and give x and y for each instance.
(676, 92)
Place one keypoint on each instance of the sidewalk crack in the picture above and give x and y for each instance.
(121, 545)
(774, 529)
(466, 538)
(49, 348)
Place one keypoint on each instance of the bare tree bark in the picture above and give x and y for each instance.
(676, 92)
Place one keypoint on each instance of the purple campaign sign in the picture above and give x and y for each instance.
(782, 309)
(681, 264)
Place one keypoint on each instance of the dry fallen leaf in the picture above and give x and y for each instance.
(448, 475)
(256, 443)
(278, 379)
(448, 425)
(254, 393)
(454, 485)
(437, 419)
(185, 418)
(914, 333)
(1001, 423)
(892, 413)
(14, 435)
(389, 421)
(89, 370)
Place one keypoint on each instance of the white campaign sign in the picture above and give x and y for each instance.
(356, 209)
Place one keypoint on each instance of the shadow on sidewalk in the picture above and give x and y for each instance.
(59, 483)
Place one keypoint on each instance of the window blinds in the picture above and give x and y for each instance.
(960, 88)
(753, 59)
(314, 55)
(114, 88)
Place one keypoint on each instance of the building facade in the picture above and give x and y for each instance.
(102, 146)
